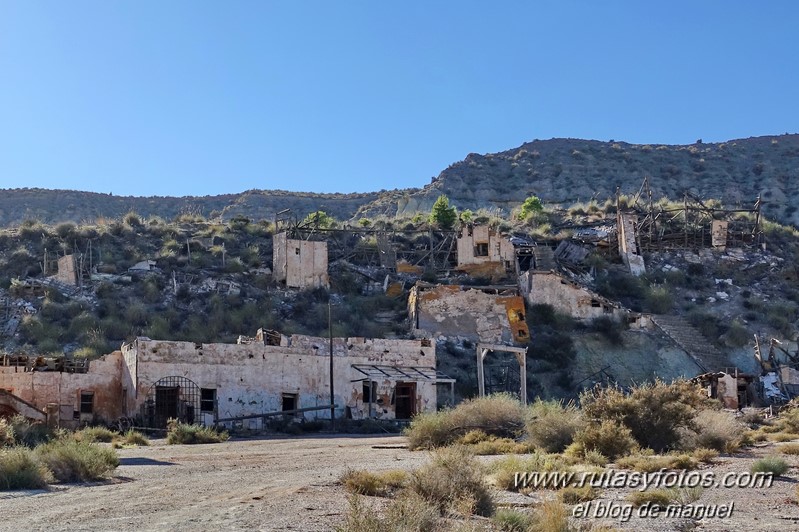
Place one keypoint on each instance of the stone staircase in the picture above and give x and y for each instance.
(690, 340)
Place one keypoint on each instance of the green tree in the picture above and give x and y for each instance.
(320, 219)
(442, 214)
(530, 207)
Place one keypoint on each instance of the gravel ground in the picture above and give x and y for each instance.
(291, 484)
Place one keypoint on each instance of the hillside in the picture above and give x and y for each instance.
(562, 171)
(55, 206)
(568, 171)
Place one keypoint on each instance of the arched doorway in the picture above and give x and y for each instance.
(171, 398)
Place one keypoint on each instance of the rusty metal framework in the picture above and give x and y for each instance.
(688, 226)
(171, 398)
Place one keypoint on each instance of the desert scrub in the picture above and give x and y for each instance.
(376, 484)
(20, 470)
(575, 495)
(714, 429)
(551, 425)
(75, 461)
(134, 437)
(500, 415)
(505, 471)
(659, 497)
(507, 520)
(95, 434)
(453, 482)
(607, 438)
(408, 512)
(183, 433)
(650, 464)
(770, 464)
(655, 413)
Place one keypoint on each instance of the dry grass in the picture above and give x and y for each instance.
(660, 497)
(76, 461)
(453, 481)
(375, 484)
(607, 438)
(95, 434)
(782, 437)
(499, 415)
(706, 456)
(551, 425)
(714, 429)
(575, 495)
(789, 448)
(19, 469)
(650, 464)
(182, 433)
(408, 512)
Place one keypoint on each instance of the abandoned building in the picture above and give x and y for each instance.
(734, 390)
(300, 263)
(248, 382)
(483, 250)
(493, 315)
(571, 298)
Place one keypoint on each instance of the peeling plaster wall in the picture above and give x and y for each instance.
(106, 378)
(252, 378)
(546, 288)
(300, 263)
(453, 311)
(67, 272)
(499, 248)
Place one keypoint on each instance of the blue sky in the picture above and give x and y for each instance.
(206, 97)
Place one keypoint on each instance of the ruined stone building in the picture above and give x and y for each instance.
(569, 297)
(481, 244)
(67, 270)
(154, 380)
(482, 314)
(300, 263)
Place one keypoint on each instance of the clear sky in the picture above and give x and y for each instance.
(154, 97)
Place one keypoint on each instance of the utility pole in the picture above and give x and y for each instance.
(332, 395)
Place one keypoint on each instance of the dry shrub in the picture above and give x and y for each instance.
(551, 516)
(483, 444)
(7, 438)
(500, 415)
(376, 484)
(706, 456)
(789, 448)
(788, 420)
(609, 438)
(659, 497)
(780, 437)
(575, 495)
(408, 512)
(453, 481)
(20, 470)
(508, 520)
(653, 412)
(650, 464)
(74, 461)
(551, 425)
(714, 429)
(95, 434)
(134, 437)
(183, 433)
(504, 471)
(29, 434)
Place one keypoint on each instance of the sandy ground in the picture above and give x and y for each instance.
(291, 484)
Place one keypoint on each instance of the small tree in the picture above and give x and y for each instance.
(530, 207)
(442, 214)
(320, 219)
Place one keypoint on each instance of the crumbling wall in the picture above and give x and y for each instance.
(300, 263)
(718, 233)
(67, 270)
(252, 378)
(566, 297)
(628, 247)
(456, 311)
(479, 244)
(104, 379)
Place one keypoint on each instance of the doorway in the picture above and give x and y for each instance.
(405, 400)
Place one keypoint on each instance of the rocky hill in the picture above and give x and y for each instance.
(54, 206)
(558, 171)
(568, 171)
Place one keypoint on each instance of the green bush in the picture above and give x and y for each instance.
(770, 464)
(183, 433)
(76, 461)
(500, 415)
(508, 520)
(19, 470)
(551, 425)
